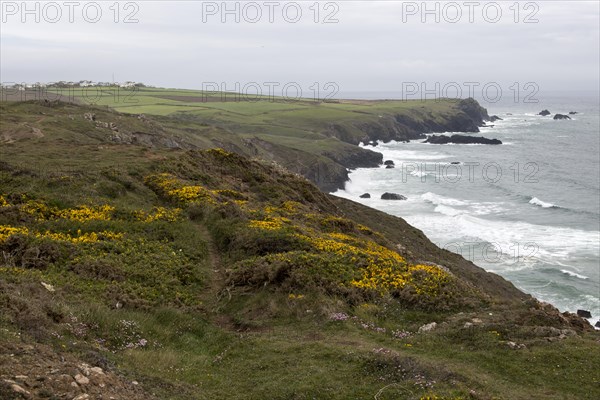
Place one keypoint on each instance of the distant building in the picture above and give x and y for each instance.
(128, 84)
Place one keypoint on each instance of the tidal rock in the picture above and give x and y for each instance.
(365, 196)
(392, 196)
(455, 162)
(460, 139)
(597, 324)
(584, 313)
(561, 116)
(544, 113)
(495, 118)
(389, 167)
(388, 162)
(573, 112)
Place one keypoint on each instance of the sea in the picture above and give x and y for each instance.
(528, 210)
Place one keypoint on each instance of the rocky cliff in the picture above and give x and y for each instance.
(465, 116)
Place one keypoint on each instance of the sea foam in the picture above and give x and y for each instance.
(543, 204)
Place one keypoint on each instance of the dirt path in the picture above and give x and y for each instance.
(215, 275)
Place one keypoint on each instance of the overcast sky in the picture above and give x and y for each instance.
(373, 46)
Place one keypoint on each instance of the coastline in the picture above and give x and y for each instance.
(466, 116)
(454, 205)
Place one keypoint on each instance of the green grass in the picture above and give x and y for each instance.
(323, 134)
(271, 114)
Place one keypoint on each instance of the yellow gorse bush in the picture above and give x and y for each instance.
(42, 212)
(3, 202)
(271, 224)
(91, 237)
(83, 213)
(170, 187)
(7, 231)
(87, 213)
(219, 152)
(381, 268)
(159, 214)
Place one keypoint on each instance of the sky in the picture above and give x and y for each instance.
(329, 46)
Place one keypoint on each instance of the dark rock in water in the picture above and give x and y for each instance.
(392, 196)
(543, 113)
(495, 118)
(460, 139)
(508, 113)
(584, 313)
(561, 116)
(573, 112)
(389, 167)
(455, 162)
(597, 324)
(365, 196)
(388, 162)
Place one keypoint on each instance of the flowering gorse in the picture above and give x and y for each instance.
(159, 214)
(83, 213)
(357, 261)
(3, 202)
(7, 231)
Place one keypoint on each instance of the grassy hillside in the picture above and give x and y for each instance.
(315, 139)
(185, 271)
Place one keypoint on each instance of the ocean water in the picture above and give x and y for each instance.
(528, 210)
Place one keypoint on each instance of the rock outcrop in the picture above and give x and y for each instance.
(467, 116)
(561, 116)
(392, 196)
(544, 113)
(460, 139)
(584, 313)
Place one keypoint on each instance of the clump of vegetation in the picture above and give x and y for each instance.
(333, 262)
(101, 250)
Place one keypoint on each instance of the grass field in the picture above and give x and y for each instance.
(264, 115)
(323, 134)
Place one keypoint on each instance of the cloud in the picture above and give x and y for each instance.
(375, 45)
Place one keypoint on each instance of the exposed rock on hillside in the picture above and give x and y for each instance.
(468, 116)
